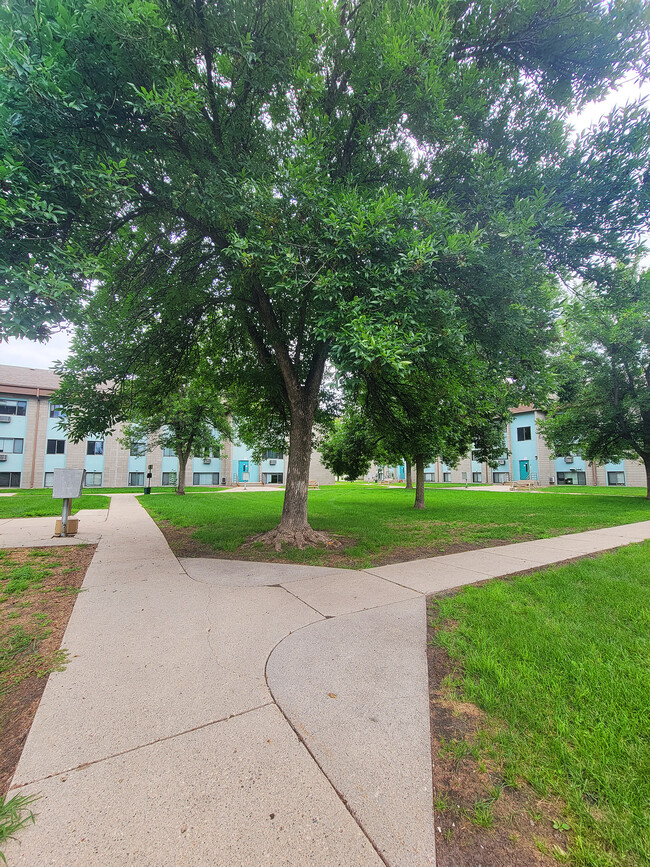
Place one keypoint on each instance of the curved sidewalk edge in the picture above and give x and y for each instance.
(355, 689)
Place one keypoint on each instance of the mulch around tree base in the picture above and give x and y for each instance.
(521, 825)
(44, 610)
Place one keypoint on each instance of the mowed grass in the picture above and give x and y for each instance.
(377, 524)
(38, 502)
(560, 661)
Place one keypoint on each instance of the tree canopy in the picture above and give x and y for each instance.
(602, 409)
(338, 181)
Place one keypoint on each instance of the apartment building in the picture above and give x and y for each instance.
(33, 444)
(527, 456)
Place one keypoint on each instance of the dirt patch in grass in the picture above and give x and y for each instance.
(183, 544)
(480, 817)
(38, 589)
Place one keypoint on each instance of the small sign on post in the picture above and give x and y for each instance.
(147, 486)
(68, 485)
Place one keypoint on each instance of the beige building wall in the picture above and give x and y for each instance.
(545, 462)
(319, 473)
(40, 441)
(635, 475)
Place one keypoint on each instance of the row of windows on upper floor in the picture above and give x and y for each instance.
(9, 406)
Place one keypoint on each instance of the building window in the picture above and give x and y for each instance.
(138, 450)
(500, 478)
(572, 478)
(446, 477)
(10, 480)
(12, 407)
(56, 411)
(273, 478)
(169, 479)
(93, 480)
(208, 479)
(55, 447)
(95, 447)
(429, 477)
(11, 446)
(48, 480)
(168, 453)
(477, 477)
(616, 479)
(524, 433)
(136, 480)
(271, 455)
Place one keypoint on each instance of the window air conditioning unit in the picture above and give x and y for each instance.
(272, 462)
(5, 419)
(207, 460)
(568, 459)
(3, 456)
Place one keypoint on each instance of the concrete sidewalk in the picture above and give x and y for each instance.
(242, 713)
(39, 532)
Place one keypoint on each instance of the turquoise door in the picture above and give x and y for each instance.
(243, 468)
(524, 470)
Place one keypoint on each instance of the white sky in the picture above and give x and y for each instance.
(26, 353)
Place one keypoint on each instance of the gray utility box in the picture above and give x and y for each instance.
(68, 484)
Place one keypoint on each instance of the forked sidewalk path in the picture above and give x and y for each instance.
(218, 712)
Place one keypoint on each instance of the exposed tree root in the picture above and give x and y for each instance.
(302, 538)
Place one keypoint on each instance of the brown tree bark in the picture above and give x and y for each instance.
(293, 528)
(646, 462)
(182, 464)
(409, 477)
(419, 482)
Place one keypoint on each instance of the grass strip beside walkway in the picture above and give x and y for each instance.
(560, 662)
(379, 525)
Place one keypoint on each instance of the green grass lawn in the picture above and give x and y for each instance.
(35, 503)
(560, 662)
(380, 524)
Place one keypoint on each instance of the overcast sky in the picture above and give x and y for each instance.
(26, 353)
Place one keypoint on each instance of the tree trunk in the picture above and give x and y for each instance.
(294, 528)
(409, 478)
(182, 463)
(294, 508)
(419, 482)
(646, 461)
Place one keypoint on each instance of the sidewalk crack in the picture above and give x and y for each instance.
(135, 749)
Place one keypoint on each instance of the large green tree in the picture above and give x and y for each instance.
(135, 364)
(340, 180)
(602, 409)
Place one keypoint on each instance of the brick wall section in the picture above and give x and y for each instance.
(26, 480)
(545, 462)
(635, 474)
(40, 442)
(319, 473)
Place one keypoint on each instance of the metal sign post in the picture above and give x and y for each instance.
(68, 484)
(147, 487)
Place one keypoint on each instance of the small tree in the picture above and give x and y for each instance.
(442, 406)
(348, 448)
(603, 374)
(148, 372)
(189, 423)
